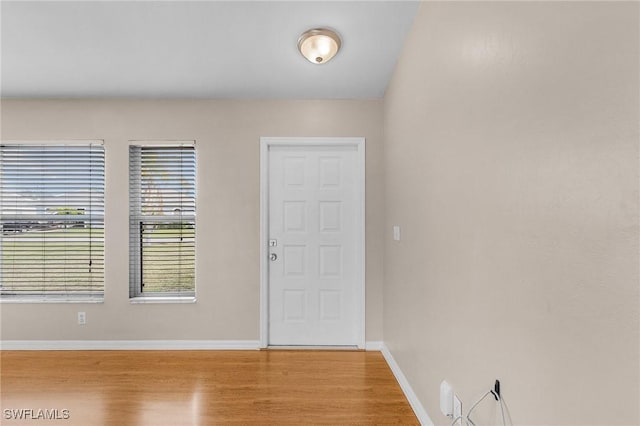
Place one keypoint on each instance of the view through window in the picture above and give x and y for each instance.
(52, 218)
(162, 199)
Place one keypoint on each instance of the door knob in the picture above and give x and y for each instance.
(273, 257)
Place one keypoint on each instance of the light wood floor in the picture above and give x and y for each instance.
(203, 387)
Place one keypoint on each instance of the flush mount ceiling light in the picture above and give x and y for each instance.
(319, 45)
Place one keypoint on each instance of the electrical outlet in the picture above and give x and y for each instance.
(446, 399)
(457, 410)
(82, 318)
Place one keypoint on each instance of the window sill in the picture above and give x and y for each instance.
(160, 299)
(19, 299)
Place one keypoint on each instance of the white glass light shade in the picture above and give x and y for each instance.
(319, 45)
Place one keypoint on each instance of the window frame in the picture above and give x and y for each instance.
(60, 296)
(136, 293)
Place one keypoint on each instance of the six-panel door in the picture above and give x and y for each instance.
(312, 222)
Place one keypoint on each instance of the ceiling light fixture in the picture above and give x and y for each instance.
(319, 45)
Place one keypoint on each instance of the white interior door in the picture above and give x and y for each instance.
(315, 245)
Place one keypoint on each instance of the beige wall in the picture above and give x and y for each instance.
(227, 135)
(511, 163)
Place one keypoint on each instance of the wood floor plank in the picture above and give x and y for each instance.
(202, 388)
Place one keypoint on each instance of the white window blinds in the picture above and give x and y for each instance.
(162, 198)
(52, 217)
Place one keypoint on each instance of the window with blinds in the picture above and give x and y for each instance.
(52, 219)
(162, 219)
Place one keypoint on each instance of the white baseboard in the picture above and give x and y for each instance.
(77, 345)
(415, 403)
(373, 345)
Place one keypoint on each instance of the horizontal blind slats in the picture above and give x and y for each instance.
(162, 188)
(52, 217)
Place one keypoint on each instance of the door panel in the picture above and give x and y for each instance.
(313, 217)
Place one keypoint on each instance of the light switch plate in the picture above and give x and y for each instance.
(396, 232)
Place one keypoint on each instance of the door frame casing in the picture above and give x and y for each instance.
(265, 144)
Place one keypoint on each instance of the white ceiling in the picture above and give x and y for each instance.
(205, 49)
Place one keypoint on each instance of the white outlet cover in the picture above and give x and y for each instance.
(446, 398)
